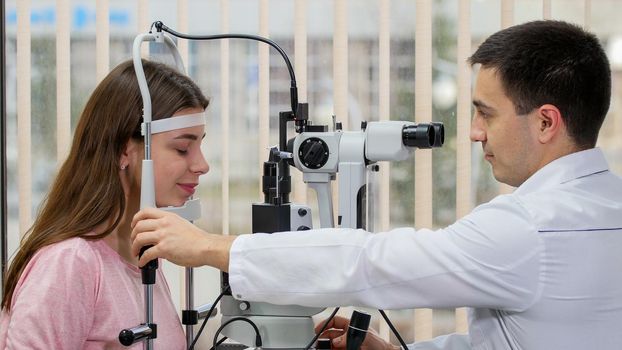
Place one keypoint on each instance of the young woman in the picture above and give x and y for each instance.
(74, 284)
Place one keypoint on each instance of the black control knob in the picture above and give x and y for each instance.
(126, 337)
(313, 153)
(148, 272)
(359, 323)
(323, 344)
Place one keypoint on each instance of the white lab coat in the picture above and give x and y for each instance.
(540, 268)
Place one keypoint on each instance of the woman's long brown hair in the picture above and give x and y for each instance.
(87, 191)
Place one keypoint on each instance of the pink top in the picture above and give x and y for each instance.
(80, 294)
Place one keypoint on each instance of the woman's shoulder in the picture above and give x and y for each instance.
(70, 254)
(58, 268)
(76, 246)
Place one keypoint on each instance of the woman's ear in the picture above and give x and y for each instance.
(128, 165)
(550, 123)
(129, 155)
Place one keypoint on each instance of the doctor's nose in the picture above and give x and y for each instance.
(477, 134)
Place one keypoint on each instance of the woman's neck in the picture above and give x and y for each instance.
(119, 238)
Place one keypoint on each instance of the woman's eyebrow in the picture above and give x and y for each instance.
(189, 137)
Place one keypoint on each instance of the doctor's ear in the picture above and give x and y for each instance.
(549, 123)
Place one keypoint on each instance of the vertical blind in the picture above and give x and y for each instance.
(464, 197)
(24, 170)
(63, 80)
(300, 69)
(423, 160)
(384, 110)
(224, 114)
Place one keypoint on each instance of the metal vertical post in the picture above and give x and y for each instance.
(189, 303)
(148, 344)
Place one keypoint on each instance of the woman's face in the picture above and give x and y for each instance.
(178, 162)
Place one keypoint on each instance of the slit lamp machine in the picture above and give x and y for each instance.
(321, 154)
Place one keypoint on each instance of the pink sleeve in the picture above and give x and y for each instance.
(54, 300)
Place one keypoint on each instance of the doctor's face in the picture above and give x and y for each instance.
(178, 162)
(506, 138)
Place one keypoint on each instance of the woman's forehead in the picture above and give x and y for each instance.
(193, 133)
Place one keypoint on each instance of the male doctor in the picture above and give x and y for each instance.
(539, 268)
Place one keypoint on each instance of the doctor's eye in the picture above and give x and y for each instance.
(481, 114)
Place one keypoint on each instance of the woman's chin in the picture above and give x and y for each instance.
(171, 203)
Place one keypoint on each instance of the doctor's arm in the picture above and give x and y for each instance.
(178, 241)
(488, 259)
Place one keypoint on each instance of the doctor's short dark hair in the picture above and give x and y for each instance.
(552, 62)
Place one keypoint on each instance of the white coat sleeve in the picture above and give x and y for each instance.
(490, 259)
(445, 342)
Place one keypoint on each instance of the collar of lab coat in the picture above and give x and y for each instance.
(566, 168)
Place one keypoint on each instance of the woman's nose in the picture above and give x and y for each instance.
(200, 165)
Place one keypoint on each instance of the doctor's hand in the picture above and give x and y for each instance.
(177, 240)
(337, 330)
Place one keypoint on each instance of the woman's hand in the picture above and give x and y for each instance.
(337, 330)
(177, 240)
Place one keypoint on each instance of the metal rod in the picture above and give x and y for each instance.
(148, 344)
(189, 303)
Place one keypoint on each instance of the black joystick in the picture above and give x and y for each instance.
(359, 323)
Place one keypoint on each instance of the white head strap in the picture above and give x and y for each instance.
(175, 122)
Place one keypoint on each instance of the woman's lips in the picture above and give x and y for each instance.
(188, 188)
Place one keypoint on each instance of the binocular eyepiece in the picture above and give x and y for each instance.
(424, 135)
